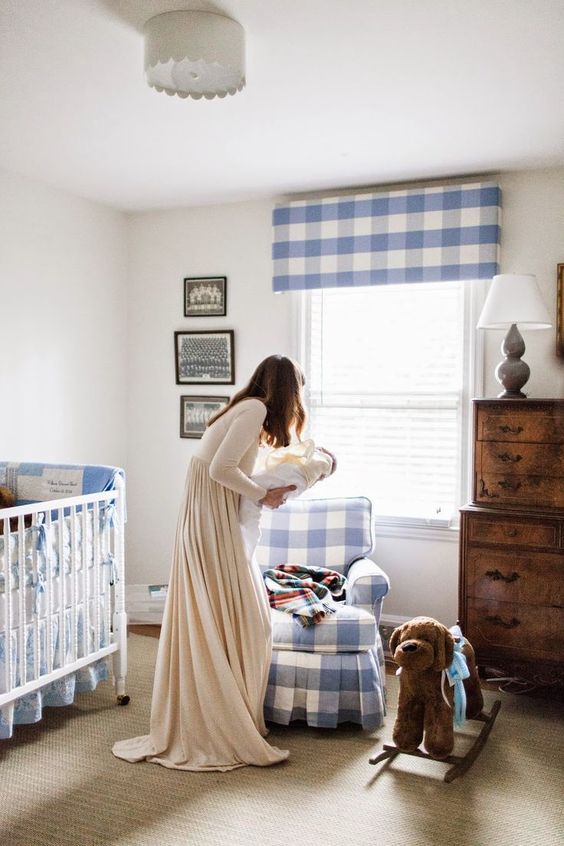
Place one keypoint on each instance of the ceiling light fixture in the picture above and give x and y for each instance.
(195, 54)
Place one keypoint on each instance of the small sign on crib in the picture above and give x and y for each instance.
(52, 483)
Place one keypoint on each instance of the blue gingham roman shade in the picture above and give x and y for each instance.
(441, 233)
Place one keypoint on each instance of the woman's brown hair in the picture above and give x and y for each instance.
(278, 382)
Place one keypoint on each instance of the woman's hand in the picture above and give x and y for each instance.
(330, 454)
(275, 497)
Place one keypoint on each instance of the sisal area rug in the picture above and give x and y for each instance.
(60, 784)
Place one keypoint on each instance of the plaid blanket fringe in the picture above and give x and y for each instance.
(307, 593)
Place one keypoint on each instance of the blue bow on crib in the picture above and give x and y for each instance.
(455, 674)
(111, 563)
(41, 529)
(108, 516)
(38, 584)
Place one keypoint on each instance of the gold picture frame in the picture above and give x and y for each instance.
(560, 310)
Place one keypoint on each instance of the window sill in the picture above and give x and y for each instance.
(420, 531)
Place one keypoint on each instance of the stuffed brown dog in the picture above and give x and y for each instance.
(423, 648)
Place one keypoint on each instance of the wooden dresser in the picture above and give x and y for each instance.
(511, 602)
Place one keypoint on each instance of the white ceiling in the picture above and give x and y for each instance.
(339, 93)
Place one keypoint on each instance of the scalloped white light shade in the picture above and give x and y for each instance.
(195, 54)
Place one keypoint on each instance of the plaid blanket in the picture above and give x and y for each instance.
(306, 592)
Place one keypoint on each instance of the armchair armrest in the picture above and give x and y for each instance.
(367, 585)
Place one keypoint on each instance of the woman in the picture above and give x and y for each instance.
(216, 640)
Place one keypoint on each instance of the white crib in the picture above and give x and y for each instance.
(62, 607)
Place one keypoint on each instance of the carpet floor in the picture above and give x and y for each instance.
(60, 784)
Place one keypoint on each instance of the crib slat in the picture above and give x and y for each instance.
(62, 588)
(108, 589)
(85, 575)
(35, 601)
(22, 663)
(119, 551)
(49, 598)
(96, 564)
(8, 600)
(104, 576)
(74, 572)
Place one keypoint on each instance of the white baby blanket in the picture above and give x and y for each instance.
(300, 464)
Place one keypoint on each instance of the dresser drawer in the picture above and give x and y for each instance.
(516, 631)
(514, 425)
(531, 579)
(506, 530)
(524, 459)
(501, 489)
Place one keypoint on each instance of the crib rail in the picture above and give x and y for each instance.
(63, 601)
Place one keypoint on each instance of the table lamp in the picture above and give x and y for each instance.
(513, 299)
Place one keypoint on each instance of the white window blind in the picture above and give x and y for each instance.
(385, 384)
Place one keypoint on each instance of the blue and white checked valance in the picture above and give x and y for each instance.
(446, 233)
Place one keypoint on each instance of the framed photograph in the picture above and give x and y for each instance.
(195, 413)
(205, 296)
(560, 310)
(205, 358)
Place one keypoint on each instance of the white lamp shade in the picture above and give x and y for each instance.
(514, 298)
(195, 54)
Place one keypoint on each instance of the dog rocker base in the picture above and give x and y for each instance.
(461, 763)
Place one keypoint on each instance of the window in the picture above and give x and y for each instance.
(387, 385)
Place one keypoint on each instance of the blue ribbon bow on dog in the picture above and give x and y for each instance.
(455, 674)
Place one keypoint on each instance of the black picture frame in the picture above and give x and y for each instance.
(205, 296)
(195, 411)
(205, 357)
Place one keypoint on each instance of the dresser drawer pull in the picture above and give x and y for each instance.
(497, 575)
(507, 457)
(512, 533)
(507, 624)
(485, 492)
(514, 430)
(506, 484)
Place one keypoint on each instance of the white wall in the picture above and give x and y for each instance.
(63, 320)
(232, 241)
(532, 242)
(235, 240)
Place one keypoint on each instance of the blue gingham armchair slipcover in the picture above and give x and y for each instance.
(331, 672)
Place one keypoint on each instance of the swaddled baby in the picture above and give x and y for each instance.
(300, 464)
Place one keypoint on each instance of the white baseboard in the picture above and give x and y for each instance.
(141, 607)
(387, 624)
(393, 620)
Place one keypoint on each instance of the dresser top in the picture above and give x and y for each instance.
(521, 403)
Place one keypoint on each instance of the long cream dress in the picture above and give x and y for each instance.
(216, 640)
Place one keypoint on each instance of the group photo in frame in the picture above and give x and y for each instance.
(205, 296)
(195, 411)
(206, 357)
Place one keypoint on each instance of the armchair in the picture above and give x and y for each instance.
(331, 672)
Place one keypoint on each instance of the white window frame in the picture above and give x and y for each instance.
(473, 364)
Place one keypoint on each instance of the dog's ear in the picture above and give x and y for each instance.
(394, 638)
(444, 647)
